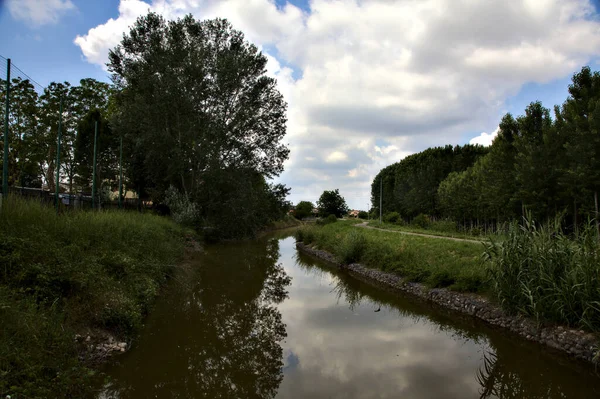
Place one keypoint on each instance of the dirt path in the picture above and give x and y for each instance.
(365, 225)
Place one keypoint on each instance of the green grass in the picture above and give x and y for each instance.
(542, 273)
(61, 274)
(436, 263)
(442, 231)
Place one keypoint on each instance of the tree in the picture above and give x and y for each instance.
(193, 99)
(304, 209)
(107, 152)
(332, 203)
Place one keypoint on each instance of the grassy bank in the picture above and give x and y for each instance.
(66, 274)
(535, 271)
(441, 229)
(547, 275)
(437, 263)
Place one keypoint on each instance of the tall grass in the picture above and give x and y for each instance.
(65, 273)
(540, 272)
(435, 262)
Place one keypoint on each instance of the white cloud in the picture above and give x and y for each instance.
(381, 79)
(39, 12)
(485, 139)
(336, 156)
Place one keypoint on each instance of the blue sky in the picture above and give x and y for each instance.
(352, 110)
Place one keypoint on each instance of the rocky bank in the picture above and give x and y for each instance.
(576, 343)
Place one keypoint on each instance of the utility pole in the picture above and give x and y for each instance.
(5, 163)
(94, 167)
(380, 199)
(58, 153)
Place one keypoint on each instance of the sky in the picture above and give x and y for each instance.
(367, 82)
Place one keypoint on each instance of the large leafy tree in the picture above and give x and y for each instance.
(304, 209)
(332, 203)
(193, 99)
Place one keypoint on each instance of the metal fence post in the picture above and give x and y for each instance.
(5, 162)
(58, 153)
(94, 167)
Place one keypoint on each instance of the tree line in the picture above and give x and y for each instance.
(33, 130)
(543, 163)
(200, 122)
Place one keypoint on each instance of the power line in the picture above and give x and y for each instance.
(21, 73)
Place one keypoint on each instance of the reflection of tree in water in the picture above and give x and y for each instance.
(507, 375)
(239, 355)
(224, 341)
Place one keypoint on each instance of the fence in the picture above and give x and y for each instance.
(40, 130)
(79, 201)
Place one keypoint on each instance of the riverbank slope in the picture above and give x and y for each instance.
(432, 270)
(70, 281)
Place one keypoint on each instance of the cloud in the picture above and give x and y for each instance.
(39, 12)
(485, 139)
(399, 75)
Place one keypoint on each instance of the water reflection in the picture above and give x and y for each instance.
(445, 355)
(218, 340)
(261, 320)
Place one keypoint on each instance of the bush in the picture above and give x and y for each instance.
(445, 226)
(421, 221)
(328, 220)
(352, 247)
(540, 272)
(183, 211)
(363, 215)
(391, 217)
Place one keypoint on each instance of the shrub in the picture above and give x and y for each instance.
(421, 221)
(328, 220)
(540, 272)
(183, 211)
(363, 215)
(352, 247)
(391, 217)
(445, 226)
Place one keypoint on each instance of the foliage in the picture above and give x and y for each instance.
(363, 215)
(63, 273)
(409, 186)
(421, 221)
(239, 203)
(352, 247)
(107, 152)
(332, 203)
(435, 262)
(547, 165)
(304, 209)
(183, 211)
(328, 220)
(197, 111)
(392, 217)
(540, 272)
(33, 128)
(194, 100)
(443, 226)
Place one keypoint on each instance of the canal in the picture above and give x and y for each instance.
(260, 320)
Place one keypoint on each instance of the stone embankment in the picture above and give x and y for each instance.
(579, 344)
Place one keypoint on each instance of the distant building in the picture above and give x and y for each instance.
(353, 213)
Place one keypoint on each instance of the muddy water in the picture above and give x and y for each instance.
(260, 320)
